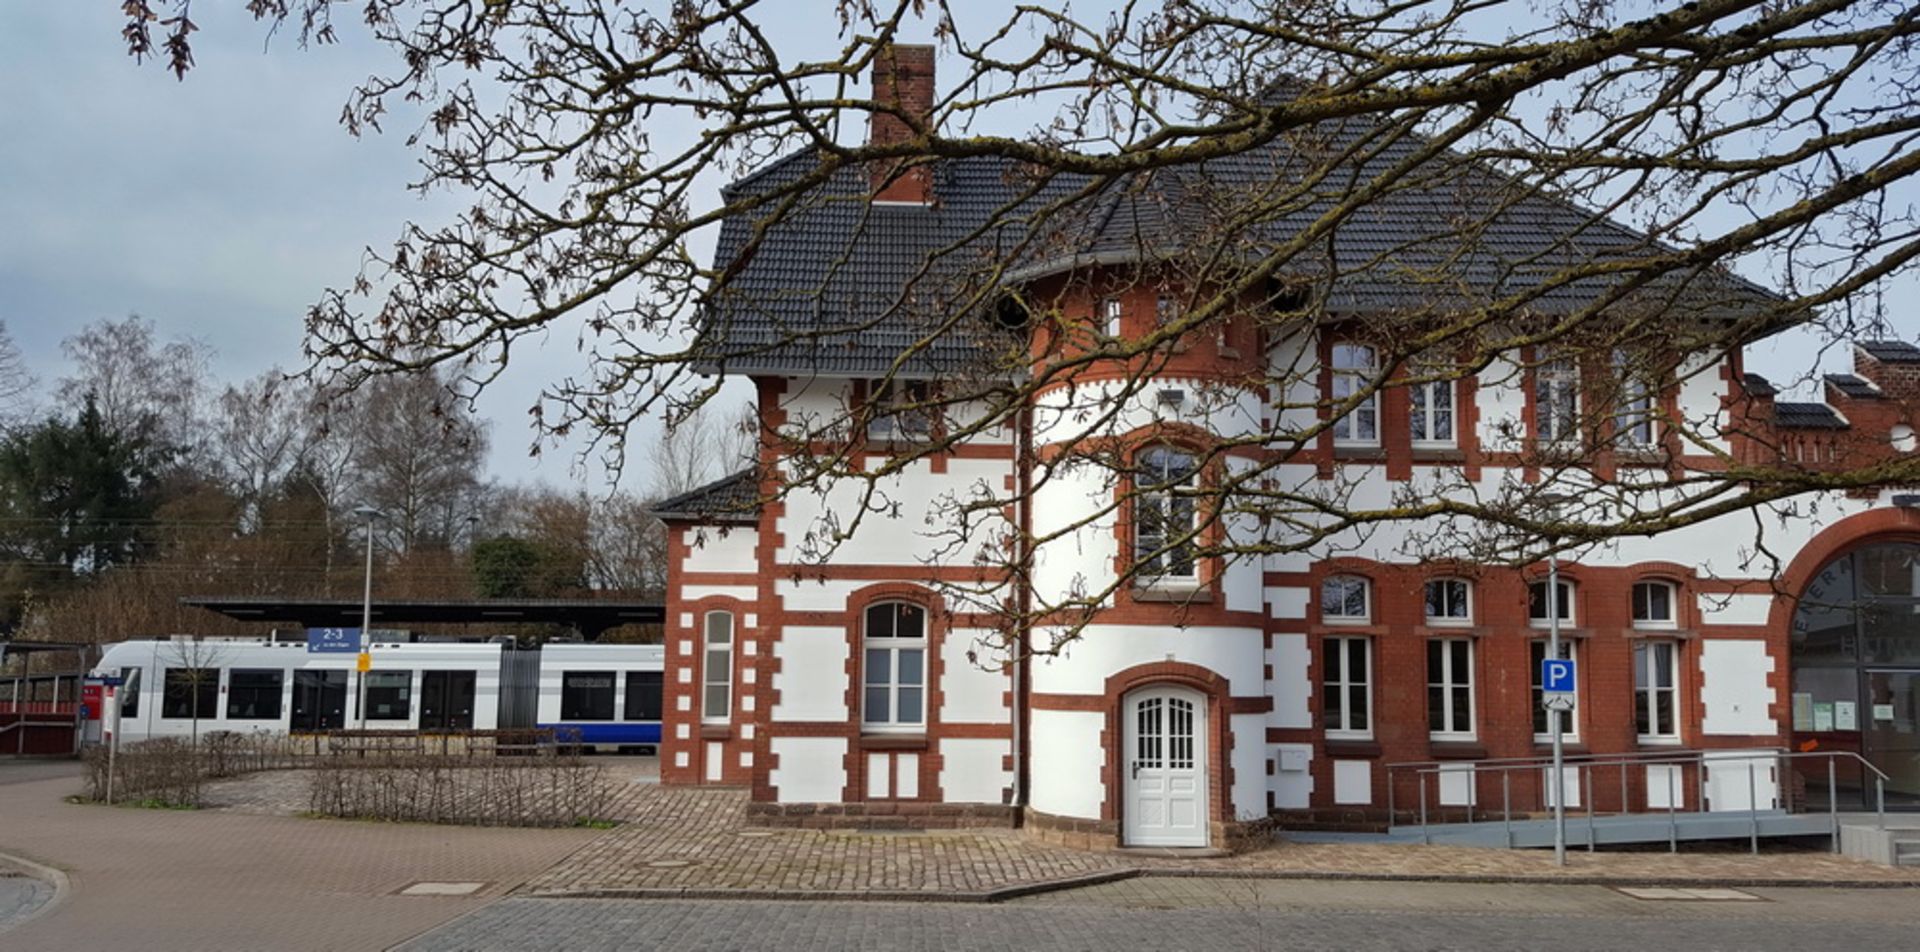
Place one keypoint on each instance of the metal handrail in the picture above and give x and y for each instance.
(1700, 758)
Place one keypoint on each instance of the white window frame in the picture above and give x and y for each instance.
(1341, 726)
(1450, 681)
(1556, 383)
(1163, 500)
(710, 679)
(1570, 650)
(1447, 620)
(1110, 313)
(894, 646)
(1644, 690)
(1360, 426)
(1366, 600)
(886, 422)
(1669, 623)
(1633, 413)
(1567, 613)
(1421, 398)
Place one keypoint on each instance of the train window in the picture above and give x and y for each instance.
(643, 695)
(254, 693)
(130, 692)
(389, 695)
(191, 693)
(586, 696)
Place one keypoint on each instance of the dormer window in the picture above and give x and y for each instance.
(1354, 368)
(901, 410)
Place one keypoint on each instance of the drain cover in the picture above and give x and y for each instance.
(442, 889)
(1688, 894)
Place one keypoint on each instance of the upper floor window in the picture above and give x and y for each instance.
(1449, 602)
(1353, 371)
(716, 702)
(1653, 605)
(1537, 603)
(1344, 598)
(1110, 316)
(895, 665)
(1431, 416)
(1164, 513)
(1633, 414)
(1556, 401)
(1346, 685)
(901, 410)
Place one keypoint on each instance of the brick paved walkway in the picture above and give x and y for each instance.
(696, 842)
(211, 880)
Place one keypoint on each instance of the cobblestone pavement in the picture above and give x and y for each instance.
(696, 842)
(1207, 914)
(205, 880)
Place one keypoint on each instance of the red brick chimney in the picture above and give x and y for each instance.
(903, 75)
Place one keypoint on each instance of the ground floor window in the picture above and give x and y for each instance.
(1656, 690)
(1450, 688)
(1346, 697)
(586, 696)
(254, 693)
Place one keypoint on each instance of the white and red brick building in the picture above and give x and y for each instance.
(1221, 691)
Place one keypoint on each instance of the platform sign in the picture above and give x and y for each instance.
(1556, 683)
(333, 640)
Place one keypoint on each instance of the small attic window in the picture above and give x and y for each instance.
(1010, 313)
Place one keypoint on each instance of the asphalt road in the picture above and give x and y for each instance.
(1213, 914)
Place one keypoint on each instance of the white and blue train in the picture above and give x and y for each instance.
(600, 695)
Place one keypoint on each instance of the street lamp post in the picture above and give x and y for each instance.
(365, 663)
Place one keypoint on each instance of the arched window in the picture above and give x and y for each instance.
(1537, 603)
(1353, 369)
(1345, 599)
(1163, 514)
(1449, 602)
(1655, 605)
(716, 678)
(895, 664)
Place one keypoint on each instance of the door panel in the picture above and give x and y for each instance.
(1165, 773)
(319, 700)
(446, 700)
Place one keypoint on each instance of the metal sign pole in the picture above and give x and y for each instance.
(1553, 716)
(113, 740)
(365, 661)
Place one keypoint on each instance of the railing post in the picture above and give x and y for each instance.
(1880, 800)
(1588, 774)
(1673, 818)
(1753, 808)
(1426, 838)
(1700, 779)
(1833, 803)
(1623, 789)
(1392, 818)
(1506, 805)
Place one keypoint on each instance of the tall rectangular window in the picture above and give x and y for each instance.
(1110, 316)
(1633, 413)
(1656, 691)
(130, 692)
(716, 701)
(1543, 728)
(1346, 686)
(190, 693)
(389, 695)
(253, 694)
(1431, 416)
(1450, 688)
(1556, 401)
(643, 695)
(895, 667)
(1163, 514)
(1353, 371)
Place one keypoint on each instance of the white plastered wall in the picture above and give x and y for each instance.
(1066, 760)
(812, 679)
(810, 769)
(1733, 687)
(973, 770)
(973, 694)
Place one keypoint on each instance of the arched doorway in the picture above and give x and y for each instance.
(1165, 768)
(1856, 667)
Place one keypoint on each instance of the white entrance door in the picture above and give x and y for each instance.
(1166, 768)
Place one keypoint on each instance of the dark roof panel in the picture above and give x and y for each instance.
(1891, 351)
(1807, 416)
(732, 499)
(1759, 386)
(1854, 387)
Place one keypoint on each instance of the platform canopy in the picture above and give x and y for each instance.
(591, 617)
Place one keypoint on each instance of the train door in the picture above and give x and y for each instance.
(446, 700)
(319, 700)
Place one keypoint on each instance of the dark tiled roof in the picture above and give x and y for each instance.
(1808, 416)
(833, 288)
(1853, 386)
(734, 499)
(1759, 386)
(1891, 351)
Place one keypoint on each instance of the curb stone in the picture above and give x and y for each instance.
(62, 888)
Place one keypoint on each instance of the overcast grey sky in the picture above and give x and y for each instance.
(220, 207)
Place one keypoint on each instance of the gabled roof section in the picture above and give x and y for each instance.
(1854, 387)
(1891, 351)
(1807, 416)
(732, 500)
(846, 287)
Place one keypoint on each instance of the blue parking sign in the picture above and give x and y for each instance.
(333, 641)
(1556, 675)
